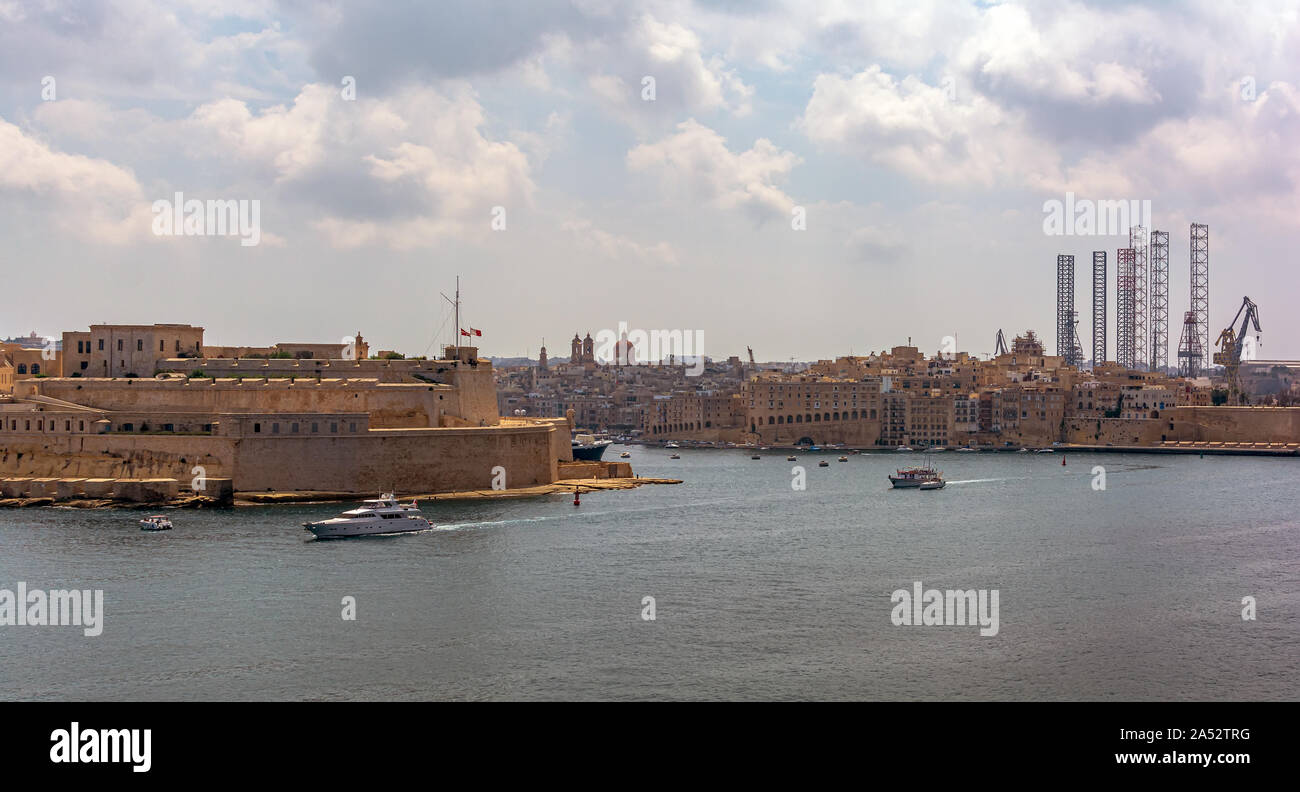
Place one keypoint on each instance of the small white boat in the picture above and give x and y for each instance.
(932, 484)
(790, 459)
(935, 449)
(625, 455)
(1044, 451)
(156, 523)
(672, 444)
(903, 448)
(844, 459)
(965, 450)
(383, 515)
(1023, 451)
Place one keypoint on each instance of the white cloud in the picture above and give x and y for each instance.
(89, 197)
(919, 130)
(619, 249)
(694, 165)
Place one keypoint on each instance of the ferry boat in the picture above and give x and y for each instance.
(908, 478)
(156, 523)
(383, 515)
(587, 447)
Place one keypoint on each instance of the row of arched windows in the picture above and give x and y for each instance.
(854, 415)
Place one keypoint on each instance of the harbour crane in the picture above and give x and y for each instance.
(1001, 345)
(751, 355)
(1231, 343)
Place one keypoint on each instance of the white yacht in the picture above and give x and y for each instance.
(383, 515)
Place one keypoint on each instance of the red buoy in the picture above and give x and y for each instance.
(1062, 461)
(577, 501)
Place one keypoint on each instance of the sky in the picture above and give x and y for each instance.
(808, 178)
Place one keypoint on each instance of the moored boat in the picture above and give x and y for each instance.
(586, 447)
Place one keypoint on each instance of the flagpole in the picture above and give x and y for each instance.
(458, 317)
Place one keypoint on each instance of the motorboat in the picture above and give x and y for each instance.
(914, 477)
(672, 444)
(903, 448)
(966, 450)
(823, 463)
(790, 458)
(935, 449)
(932, 484)
(625, 455)
(382, 515)
(1044, 451)
(155, 523)
(675, 456)
(844, 459)
(756, 456)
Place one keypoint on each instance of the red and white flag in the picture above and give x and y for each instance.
(470, 332)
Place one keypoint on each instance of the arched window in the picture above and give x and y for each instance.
(817, 417)
(769, 420)
(22, 368)
(36, 368)
(798, 419)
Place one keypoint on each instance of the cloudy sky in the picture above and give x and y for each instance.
(919, 140)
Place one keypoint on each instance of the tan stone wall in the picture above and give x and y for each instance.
(1205, 424)
(389, 405)
(1116, 431)
(1234, 424)
(410, 460)
(405, 460)
(115, 456)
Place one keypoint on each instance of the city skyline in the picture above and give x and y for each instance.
(916, 148)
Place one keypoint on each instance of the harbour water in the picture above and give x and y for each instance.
(760, 591)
